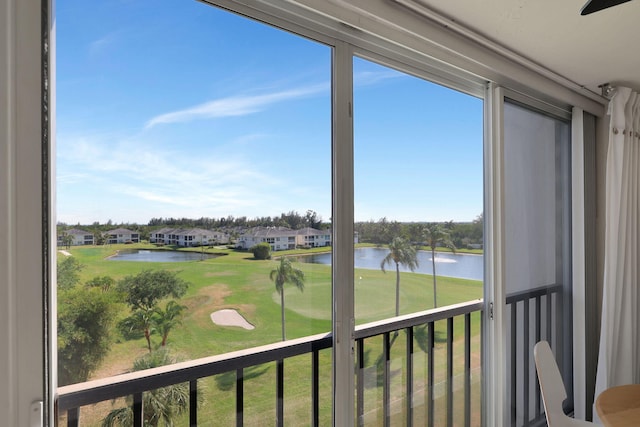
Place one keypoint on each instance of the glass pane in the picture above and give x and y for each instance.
(418, 180)
(419, 245)
(537, 251)
(186, 137)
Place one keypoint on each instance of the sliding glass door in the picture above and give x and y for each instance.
(418, 220)
(537, 252)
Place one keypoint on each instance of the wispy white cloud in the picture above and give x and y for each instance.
(97, 46)
(240, 105)
(71, 178)
(163, 181)
(248, 139)
(133, 177)
(367, 78)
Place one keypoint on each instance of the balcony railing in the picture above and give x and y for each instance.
(71, 398)
(389, 330)
(532, 315)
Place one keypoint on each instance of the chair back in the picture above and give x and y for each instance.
(552, 388)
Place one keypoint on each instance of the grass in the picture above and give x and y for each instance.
(237, 281)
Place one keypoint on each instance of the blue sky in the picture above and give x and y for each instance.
(178, 109)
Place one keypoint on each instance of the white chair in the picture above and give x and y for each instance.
(552, 388)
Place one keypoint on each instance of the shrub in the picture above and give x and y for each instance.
(69, 272)
(85, 320)
(261, 251)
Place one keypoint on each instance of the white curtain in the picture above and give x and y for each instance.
(619, 357)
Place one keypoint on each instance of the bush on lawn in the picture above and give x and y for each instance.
(261, 251)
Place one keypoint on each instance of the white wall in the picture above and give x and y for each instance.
(21, 271)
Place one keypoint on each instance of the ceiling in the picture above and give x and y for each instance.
(588, 50)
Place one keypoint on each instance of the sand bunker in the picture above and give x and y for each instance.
(229, 317)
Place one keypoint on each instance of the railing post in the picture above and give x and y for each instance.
(430, 367)
(239, 397)
(315, 389)
(538, 337)
(467, 370)
(450, 372)
(559, 341)
(525, 363)
(73, 417)
(386, 388)
(280, 392)
(548, 315)
(138, 414)
(483, 352)
(409, 398)
(514, 367)
(360, 385)
(193, 403)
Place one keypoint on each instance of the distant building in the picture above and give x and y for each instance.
(279, 238)
(313, 238)
(188, 237)
(79, 237)
(283, 238)
(122, 235)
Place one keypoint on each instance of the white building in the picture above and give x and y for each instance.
(187, 237)
(313, 238)
(283, 238)
(79, 237)
(122, 235)
(280, 238)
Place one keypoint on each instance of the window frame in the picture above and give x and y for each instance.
(25, 220)
(27, 55)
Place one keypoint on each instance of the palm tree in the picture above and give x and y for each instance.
(66, 239)
(400, 252)
(165, 320)
(285, 273)
(436, 235)
(162, 406)
(140, 320)
(105, 238)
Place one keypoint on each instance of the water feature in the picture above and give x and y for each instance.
(464, 266)
(146, 255)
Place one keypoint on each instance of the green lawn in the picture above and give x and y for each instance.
(237, 281)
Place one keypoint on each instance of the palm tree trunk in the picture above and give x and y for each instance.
(282, 312)
(433, 263)
(147, 335)
(397, 289)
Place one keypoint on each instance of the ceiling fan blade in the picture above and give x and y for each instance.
(596, 5)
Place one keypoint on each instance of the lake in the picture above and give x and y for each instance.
(146, 255)
(464, 266)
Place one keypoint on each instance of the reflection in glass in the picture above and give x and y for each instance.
(418, 182)
(419, 242)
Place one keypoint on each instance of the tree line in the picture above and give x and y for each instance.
(231, 224)
(382, 232)
(291, 219)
